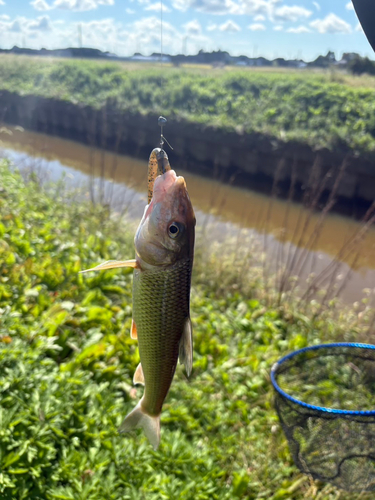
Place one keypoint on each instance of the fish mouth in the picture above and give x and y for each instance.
(166, 187)
(170, 196)
(165, 183)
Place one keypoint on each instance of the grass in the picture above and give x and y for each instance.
(67, 362)
(330, 109)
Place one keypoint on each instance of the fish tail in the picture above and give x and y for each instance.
(139, 418)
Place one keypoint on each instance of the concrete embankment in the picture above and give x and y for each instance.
(247, 160)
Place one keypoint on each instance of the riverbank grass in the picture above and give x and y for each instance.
(67, 361)
(324, 110)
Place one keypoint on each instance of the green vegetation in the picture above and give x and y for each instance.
(359, 65)
(322, 110)
(67, 360)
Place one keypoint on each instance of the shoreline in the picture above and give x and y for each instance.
(253, 161)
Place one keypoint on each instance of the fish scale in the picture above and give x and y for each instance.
(160, 310)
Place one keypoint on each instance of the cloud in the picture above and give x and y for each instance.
(193, 28)
(15, 26)
(141, 35)
(27, 26)
(41, 24)
(316, 5)
(81, 5)
(130, 11)
(290, 13)
(256, 7)
(11, 27)
(103, 27)
(229, 27)
(259, 9)
(349, 6)
(156, 7)
(299, 29)
(272, 10)
(65, 4)
(122, 36)
(75, 5)
(104, 34)
(359, 28)
(211, 27)
(256, 27)
(331, 24)
(206, 6)
(2, 2)
(41, 5)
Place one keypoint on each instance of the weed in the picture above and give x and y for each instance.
(67, 362)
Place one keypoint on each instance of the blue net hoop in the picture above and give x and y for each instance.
(277, 365)
(325, 401)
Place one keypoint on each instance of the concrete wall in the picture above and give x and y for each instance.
(249, 160)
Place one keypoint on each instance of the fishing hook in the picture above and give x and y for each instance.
(162, 121)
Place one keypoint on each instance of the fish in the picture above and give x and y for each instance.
(164, 248)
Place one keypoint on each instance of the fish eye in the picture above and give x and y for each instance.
(175, 229)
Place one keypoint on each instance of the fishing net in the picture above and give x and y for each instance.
(325, 400)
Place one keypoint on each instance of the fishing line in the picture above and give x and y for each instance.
(161, 120)
(161, 44)
(158, 162)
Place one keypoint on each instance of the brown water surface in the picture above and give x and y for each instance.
(281, 225)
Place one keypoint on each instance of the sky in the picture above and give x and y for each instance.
(270, 28)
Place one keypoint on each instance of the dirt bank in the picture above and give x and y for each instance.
(251, 160)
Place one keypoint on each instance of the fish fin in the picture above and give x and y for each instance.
(139, 418)
(133, 330)
(186, 347)
(112, 264)
(139, 378)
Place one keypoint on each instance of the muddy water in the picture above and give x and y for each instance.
(281, 226)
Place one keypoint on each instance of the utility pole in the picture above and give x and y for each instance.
(184, 43)
(80, 36)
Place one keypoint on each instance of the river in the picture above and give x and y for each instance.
(278, 224)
